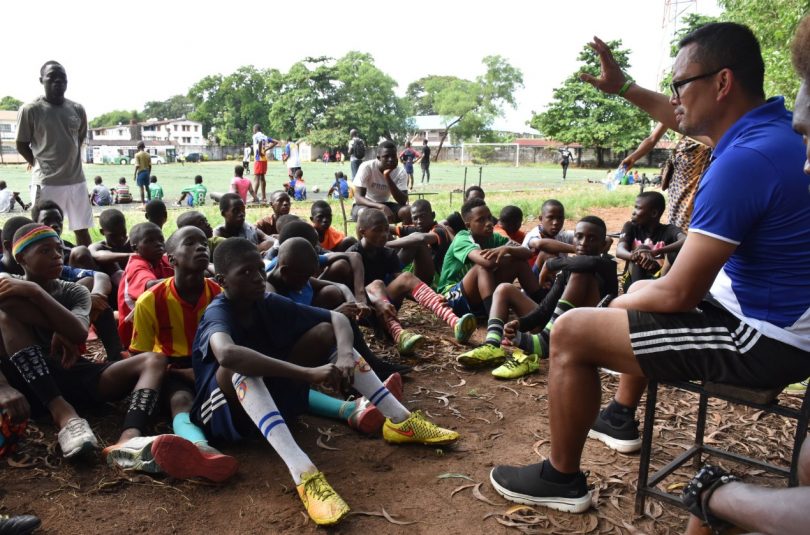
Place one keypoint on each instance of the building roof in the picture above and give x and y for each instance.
(545, 143)
(8, 115)
(431, 122)
(128, 143)
(150, 122)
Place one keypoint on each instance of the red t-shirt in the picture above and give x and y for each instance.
(137, 273)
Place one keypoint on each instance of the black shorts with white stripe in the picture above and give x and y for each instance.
(711, 344)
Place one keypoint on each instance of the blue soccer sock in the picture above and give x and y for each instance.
(184, 428)
(322, 405)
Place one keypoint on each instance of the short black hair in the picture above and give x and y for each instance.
(299, 248)
(226, 200)
(45, 204)
(479, 189)
(188, 218)
(110, 217)
(552, 203)
(98, 179)
(238, 170)
(155, 208)
(141, 145)
(471, 205)
(278, 193)
(298, 229)
(511, 214)
(138, 230)
(122, 180)
(319, 205)
(423, 203)
(285, 220)
(387, 144)
(171, 241)
(198, 179)
(655, 200)
(231, 251)
(153, 179)
(370, 217)
(298, 173)
(596, 221)
(12, 225)
(800, 49)
(729, 45)
(339, 175)
(45, 66)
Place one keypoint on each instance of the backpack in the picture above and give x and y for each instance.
(359, 148)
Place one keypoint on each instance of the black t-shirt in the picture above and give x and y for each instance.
(566, 157)
(634, 236)
(437, 250)
(379, 264)
(455, 222)
(425, 161)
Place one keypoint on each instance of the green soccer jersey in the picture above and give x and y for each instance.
(156, 191)
(456, 264)
(198, 193)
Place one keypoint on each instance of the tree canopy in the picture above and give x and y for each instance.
(10, 103)
(581, 113)
(116, 117)
(171, 108)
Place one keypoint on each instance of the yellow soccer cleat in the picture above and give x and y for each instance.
(517, 365)
(482, 356)
(409, 342)
(417, 430)
(324, 506)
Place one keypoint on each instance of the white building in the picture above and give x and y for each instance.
(184, 134)
(8, 137)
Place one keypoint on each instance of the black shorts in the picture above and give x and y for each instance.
(78, 385)
(711, 344)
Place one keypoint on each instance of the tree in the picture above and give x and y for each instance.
(773, 22)
(581, 113)
(172, 108)
(468, 106)
(115, 117)
(10, 103)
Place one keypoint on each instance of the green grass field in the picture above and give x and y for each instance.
(526, 187)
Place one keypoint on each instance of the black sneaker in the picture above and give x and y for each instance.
(623, 438)
(18, 525)
(523, 484)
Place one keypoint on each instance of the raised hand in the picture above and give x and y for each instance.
(611, 79)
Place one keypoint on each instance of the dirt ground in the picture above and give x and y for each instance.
(391, 489)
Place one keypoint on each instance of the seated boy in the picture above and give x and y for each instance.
(298, 186)
(329, 237)
(42, 321)
(113, 252)
(165, 320)
(509, 222)
(232, 209)
(280, 204)
(548, 240)
(424, 243)
(50, 214)
(156, 212)
(100, 196)
(387, 285)
(146, 267)
(197, 219)
(122, 193)
(155, 189)
(340, 188)
(193, 195)
(239, 185)
(645, 239)
(478, 260)
(454, 221)
(582, 281)
(259, 353)
(8, 198)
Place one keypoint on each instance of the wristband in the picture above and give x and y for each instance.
(625, 87)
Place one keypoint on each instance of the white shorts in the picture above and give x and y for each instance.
(74, 201)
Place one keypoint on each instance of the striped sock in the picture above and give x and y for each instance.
(562, 307)
(394, 328)
(260, 407)
(531, 344)
(494, 332)
(430, 299)
(368, 384)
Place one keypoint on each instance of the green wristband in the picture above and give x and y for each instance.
(625, 87)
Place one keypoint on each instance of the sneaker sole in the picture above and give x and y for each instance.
(467, 327)
(85, 449)
(445, 442)
(181, 459)
(616, 444)
(469, 362)
(506, 378)
(567, 505)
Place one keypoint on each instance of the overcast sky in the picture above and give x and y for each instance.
(119, 57)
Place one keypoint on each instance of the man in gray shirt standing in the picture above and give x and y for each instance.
(50, 134)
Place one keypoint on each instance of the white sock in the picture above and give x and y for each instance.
(259, 405)
(367, 383)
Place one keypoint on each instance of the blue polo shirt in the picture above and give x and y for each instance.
(756, 196)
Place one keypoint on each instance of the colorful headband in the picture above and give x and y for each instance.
(31, 237)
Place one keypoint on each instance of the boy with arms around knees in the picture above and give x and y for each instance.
(387, 285)
(232, 209)
(424, 243)
(329, 237)
(248, 380)
(548, 240)
(509, 222)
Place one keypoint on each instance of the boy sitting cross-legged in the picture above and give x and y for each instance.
(42, 321)
(165, 320)
(578, 281)
(478, 260)
(548, 239)
(254, 357)
(424, 243)
(387, 285)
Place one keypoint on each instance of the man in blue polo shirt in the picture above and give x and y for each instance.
(735, 307)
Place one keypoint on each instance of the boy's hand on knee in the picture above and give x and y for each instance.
(328, 374)
(14, 403)
(511, 329)
(67, 351)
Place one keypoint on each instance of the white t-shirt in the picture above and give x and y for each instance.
(564, 236)
(5, 200)
(293, 159)
(246, 156)
(377, 190)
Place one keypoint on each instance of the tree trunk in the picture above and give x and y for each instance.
(444, 136)
(600, 157)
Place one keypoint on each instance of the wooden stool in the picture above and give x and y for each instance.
(762, 399)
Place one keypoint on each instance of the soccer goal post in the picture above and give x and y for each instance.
(490, 153)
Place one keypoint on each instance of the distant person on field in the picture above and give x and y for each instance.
(565, 160)
(50, 134)
(246, 158)
(8, 198)
(143, 170)
(155, 189)
(357, 150)
(425, 162)
(239, 185)
(340, 188)
(193, 195)
(261, 144)
(408, 157)
(122, 194)
(291, 157)
(101, 195)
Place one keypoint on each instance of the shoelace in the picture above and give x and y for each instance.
(511, 363)
(318, 487)
(75, 428)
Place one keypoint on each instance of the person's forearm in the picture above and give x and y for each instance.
(671, 248)
(266, 244)
(657, 105)
(359, 277)
(761, 509)
(417, 238)
(622, 252)
(519, 252)
(25, 151)
(109, 256)
(400, 196)
(248, 362)
(101, 283)
(552, 246)
(344, 337)
(59, 319)
(362, 200)
(656, 296)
